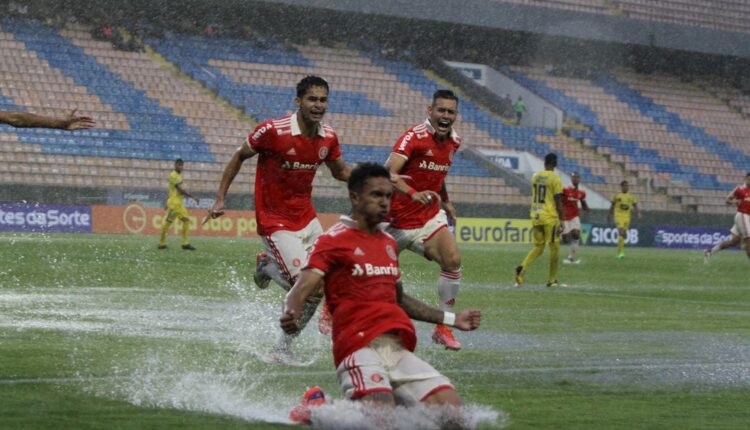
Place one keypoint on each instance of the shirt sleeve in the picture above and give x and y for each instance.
(261, 138)
(322, 255)
(334, 152)
(405, 144)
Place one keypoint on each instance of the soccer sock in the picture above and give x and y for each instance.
(554, 260)
(164, 229)
(273, 271)
(185, 229)
(535, 252)
(620, 244)
(573, 248)
(448, 289)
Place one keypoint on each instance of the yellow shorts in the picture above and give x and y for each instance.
(544, 233)
(622, 223)
(177, 212)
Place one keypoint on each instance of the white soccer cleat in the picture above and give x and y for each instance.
(706, 256)
(261, 279)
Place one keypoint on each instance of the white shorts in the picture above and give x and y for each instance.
(741, 225)
(289, 249)
(414, 239)
(385, 366)
(572, 224)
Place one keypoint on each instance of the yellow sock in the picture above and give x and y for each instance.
(554, 260)
(535, 252)
(164, 229)
(620, 245)
(185, 229)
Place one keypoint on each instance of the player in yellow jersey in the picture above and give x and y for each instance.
(546, 219)
(176, 207)
(622, 204)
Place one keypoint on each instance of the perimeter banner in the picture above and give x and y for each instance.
(45, 218)
(136, 219)
(670, 236)
(498, 231)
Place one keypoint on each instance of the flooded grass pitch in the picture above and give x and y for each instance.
(110, 318)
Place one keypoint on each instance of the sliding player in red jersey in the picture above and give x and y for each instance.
(421, 210)
(740, 196)
(373, 334)
(572, 232)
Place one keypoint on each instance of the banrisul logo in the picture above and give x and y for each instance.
(585, 233)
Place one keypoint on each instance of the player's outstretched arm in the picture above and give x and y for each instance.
(306, 285)
(230, 171)
(30, 120)
(466, 320)
(394, 164)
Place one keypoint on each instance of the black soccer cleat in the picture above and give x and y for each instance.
(161, 247)
(188, 247)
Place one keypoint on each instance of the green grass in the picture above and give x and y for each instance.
(108, 332)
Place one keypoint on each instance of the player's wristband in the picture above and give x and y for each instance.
(449, 318)
(411, 192)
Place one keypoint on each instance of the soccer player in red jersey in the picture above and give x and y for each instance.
(421, 210)
(740, 196)
(373, 335)
(572, 232)
(289, 149)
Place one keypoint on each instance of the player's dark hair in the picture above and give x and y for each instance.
(624, 183)
(748, 174)
(308, 82)
(550, 160)
(179, 160)
(363, 172)
(444, 94)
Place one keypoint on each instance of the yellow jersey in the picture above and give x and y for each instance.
(175, 196)
(623, 204)
(544, 186)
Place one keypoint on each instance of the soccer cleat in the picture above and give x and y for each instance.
(620, 256)
(706, 256)
(519, 276)
(301, 413)
(553, 284)
(567, 261)
(188, 247)
(261, 279)
(444, 336)
(325, 322)
(161, 247)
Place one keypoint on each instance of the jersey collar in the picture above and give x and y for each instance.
(350, 223)
(296, 130)
(431, 129)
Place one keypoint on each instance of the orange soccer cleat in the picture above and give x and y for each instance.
(313, 397)
(444, 336)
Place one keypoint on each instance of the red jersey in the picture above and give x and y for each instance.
(571, 197)
(742, 193)
(427, 164)
(360, 272)
(287, 162)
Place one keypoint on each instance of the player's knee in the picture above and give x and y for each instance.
(575, 235)
(451, 262)
(447, 396)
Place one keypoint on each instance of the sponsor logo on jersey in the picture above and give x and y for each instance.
(323, 153)
(434, 166)
(259, 132)
(358, 251)
(372, 270)
(299, 166)
(405, 141)
(291, 152)
(429, 153)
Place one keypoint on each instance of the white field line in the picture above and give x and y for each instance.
(498, 370)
